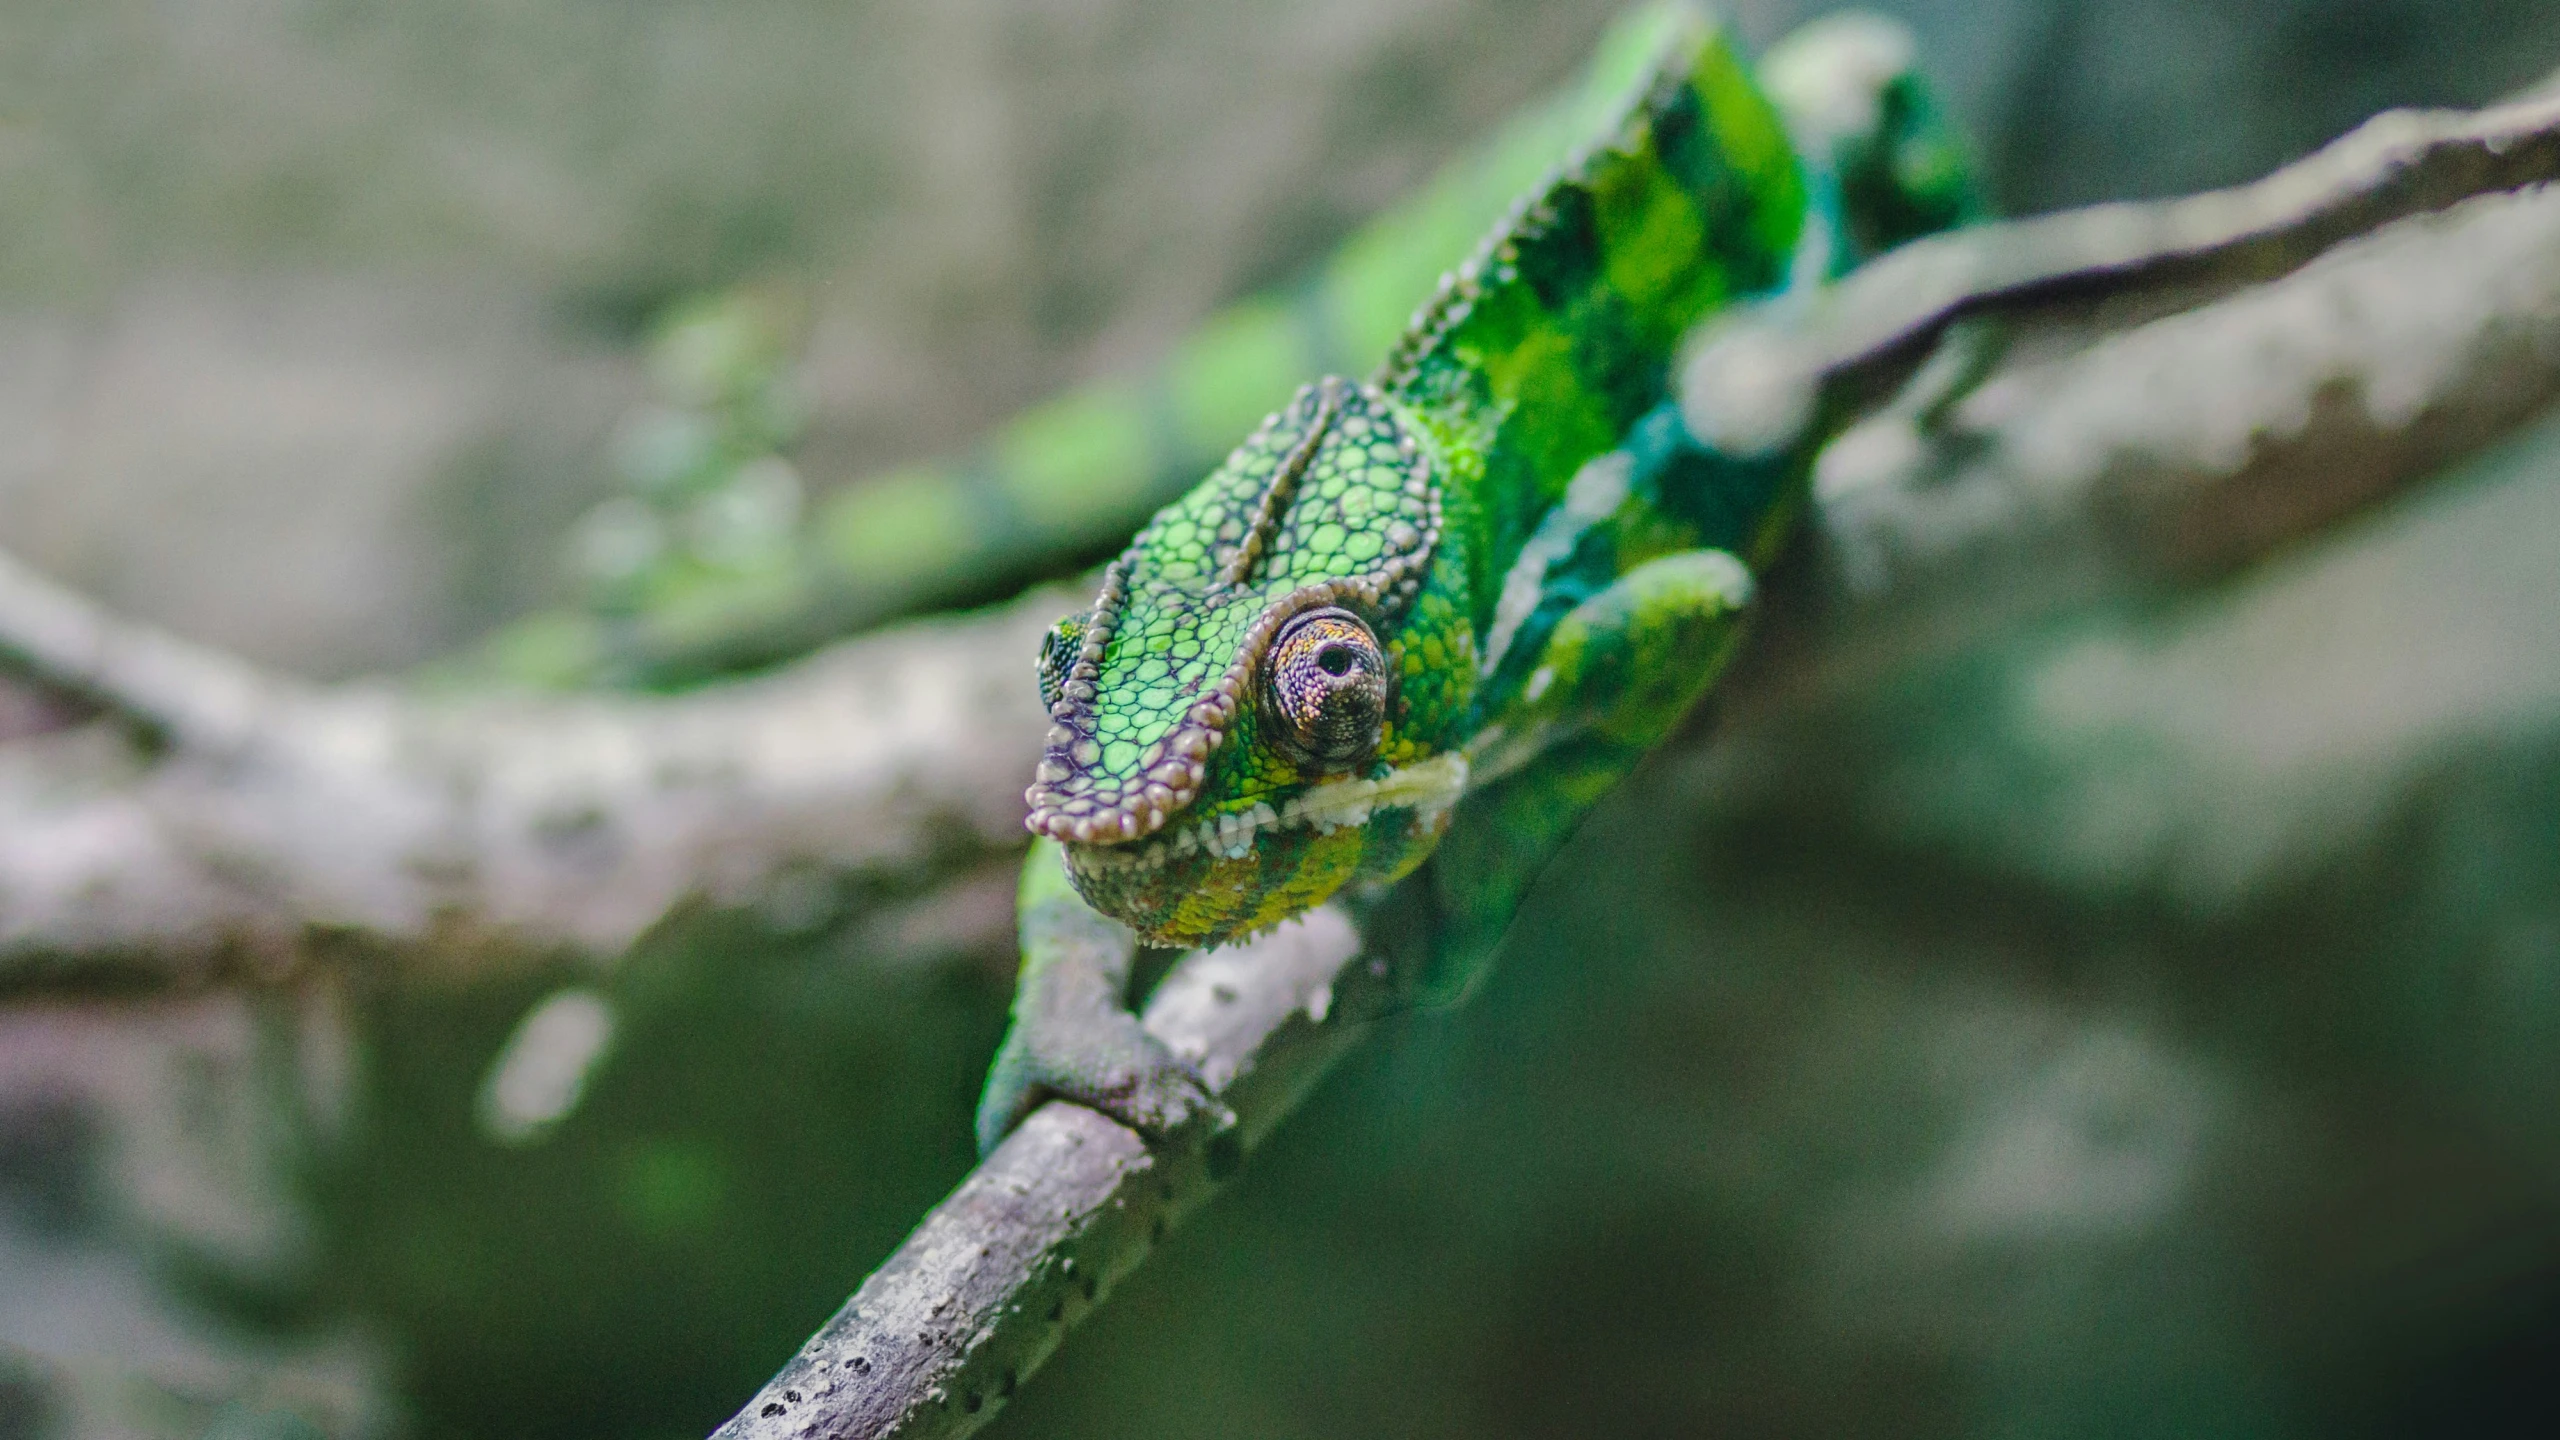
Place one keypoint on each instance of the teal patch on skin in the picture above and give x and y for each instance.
(1545, 346)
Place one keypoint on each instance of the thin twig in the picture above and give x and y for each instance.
(184, 693)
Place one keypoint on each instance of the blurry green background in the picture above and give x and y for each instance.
(2149, 1025)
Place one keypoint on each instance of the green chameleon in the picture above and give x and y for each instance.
(1415, 626)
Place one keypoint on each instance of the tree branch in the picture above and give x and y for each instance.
(983, 1291)
(188, 694)
(1760, 372)
(2095, 457)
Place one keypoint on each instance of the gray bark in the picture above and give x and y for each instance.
(502, 826)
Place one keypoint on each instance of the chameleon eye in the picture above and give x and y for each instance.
(1057, 657)
(1324, 690)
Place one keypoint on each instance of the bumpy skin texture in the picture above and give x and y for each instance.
(1412, 629)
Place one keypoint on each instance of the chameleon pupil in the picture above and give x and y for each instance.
(1335, 661)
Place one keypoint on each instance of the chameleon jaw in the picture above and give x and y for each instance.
(1428, 787)
(1211, 881)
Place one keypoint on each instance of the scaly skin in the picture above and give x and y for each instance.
(1413, 628)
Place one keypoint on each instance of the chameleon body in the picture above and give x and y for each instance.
(1414, 626)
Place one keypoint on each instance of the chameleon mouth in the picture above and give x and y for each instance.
(1427, 787)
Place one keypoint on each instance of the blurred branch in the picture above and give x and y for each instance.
(185, 693)
(501, 827)
(1761, 370)
(2100, 454)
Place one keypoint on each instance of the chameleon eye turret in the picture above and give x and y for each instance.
(1324, 690)
(1058, 651)
(1318, 528)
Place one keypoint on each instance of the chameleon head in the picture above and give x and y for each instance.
(1246, 719)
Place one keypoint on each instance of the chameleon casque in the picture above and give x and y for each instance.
(1415, 626)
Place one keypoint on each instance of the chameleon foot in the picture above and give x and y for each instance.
(1073, 1037)
(1103, 1060)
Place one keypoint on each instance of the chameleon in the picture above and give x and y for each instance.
(1414, 626)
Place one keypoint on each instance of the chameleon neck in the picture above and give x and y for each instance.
(1542, 349)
